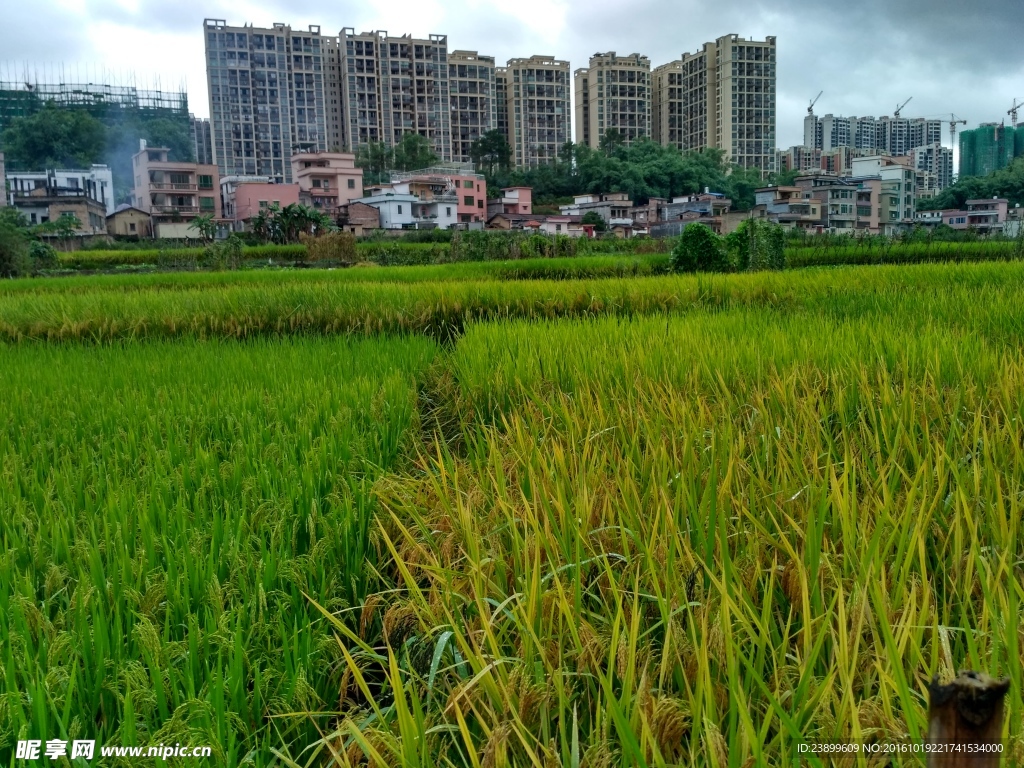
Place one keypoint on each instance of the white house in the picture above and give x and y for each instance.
(406, 211)
(96, 183)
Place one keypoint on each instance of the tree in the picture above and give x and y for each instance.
(55, 138)
(14, 245)
(612, 141)
(205, 226)
(491, 151)
(64, 228)
(413, 152)
(286, 225)
(376, 159)
(593, 217)
(699, 250)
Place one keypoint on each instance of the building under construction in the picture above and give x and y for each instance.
(988, 148)
(24, 96)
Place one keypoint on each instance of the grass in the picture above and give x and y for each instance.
(647, 522)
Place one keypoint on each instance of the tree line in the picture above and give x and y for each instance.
(642, 169)
(1007, 182)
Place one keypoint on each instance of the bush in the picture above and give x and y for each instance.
(699, 249)
(14, 252)
(42, 256)
(757, 244)
(333, 248)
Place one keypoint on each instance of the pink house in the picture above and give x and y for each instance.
(243, 197)
(327, 180)
(512, 200)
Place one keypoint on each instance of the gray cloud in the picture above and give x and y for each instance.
(866, 56)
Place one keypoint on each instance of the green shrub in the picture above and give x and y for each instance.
(332, 248)
(757, 244)
(699, 249)
(43, 256)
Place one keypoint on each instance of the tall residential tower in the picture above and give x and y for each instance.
(267, 96)
(722, 96)
(613, 93)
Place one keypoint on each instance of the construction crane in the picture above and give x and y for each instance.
(953, 120)
(901, 106)
(1013, 112)
(810, 107)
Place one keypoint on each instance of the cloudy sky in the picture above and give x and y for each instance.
(867, 55)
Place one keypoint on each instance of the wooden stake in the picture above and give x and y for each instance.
(967, 712)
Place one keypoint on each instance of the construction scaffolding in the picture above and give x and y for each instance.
(988, 148)
(24, 92)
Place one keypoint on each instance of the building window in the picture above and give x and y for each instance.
(206, 182)
(480, 203)
(467, 184)
(131, 226)
(468, 200)
(448, 211)
(399, 208)
(263, 203)
(205, 203)
(351, 183)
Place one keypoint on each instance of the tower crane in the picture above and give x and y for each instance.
(810, 107)
(901, 106)
(953, 120)
(1013, 112)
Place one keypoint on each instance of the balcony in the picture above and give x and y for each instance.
(162, 185)
(175, 210)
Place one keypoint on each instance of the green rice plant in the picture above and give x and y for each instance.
(260, 306)
(169, 510)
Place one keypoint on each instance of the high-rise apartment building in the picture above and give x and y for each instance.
(267, 96)
(538, 109)
(391, 86)
(473, 100)
(666, 104)
(613, 94)
(501, 101)
(581, 105)
(935, 160)
(202, 143)
(722, 96)
(988, 148)
(895, 135)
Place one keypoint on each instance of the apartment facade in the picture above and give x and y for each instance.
(202, 141)
(613, 93)
(666, 104)
(267, 96)
(471, 78)
(391, 86)
(95, 183)
(174, 193)
(723, 97)
(538, 109)
(935, 160)
(501, 102)
(895, 135)
(3, 182)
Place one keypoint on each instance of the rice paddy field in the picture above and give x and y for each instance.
(479, 520)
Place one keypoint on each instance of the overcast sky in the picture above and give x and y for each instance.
(866, 55)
